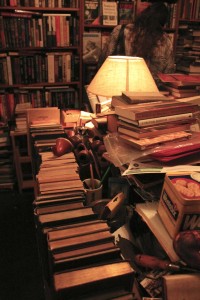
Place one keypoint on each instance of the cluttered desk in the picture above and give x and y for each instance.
(136, 221)
(138, 172)
(155, 139)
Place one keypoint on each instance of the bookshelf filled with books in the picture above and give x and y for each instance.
(40, 52)
(100, 17)
(188, 39)
(40, 65)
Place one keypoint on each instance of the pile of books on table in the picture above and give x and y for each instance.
(181, 85)
(147, 125)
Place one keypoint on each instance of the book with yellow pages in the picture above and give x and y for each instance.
(147, 143)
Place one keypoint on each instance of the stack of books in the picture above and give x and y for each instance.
(148, 125)
(20, 116)
(181, 85)
(187, 50)
(58, 174)
(73, 240)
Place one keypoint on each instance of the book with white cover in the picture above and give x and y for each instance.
(91, 46)
(109, 13)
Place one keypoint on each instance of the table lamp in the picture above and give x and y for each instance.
(125, 75)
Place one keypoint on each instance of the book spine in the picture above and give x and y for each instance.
(9, 70)
(152, 121)
(16, 15)
(164, 113)
(68, 67)
(51, 71)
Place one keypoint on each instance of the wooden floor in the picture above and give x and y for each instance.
(20, 275)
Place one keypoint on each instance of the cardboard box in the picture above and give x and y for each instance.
(43, 115)
(179, 205)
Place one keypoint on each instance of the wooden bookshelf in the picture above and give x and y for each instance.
(41, 63)
(40, 50)
(22, 160)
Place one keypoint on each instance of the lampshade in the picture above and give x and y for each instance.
(123, 74)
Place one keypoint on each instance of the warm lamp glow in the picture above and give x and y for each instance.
(123, 74)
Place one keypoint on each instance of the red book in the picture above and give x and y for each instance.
(180, 79)
(58, 34)
(10, 106)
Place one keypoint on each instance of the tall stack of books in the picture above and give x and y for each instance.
(188, 50)
(73, 240)
(148, 125)
(58, 174)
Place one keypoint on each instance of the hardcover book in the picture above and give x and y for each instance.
(58, 207)
(91, 46)
(66, 217)
(126, 12)
(192, 69)
(78, 194)
(66, 184)
(183, 92)
(47, 229)
(77, 230)
(91, 11)
(119, 101)
(115, 275)
(109, 13)
(151, 131)
(58, 200)
(145, 111)
(137, 97)
(80, 241)
(146, 143)
(180, 79)
(161, 120)
(87, 256)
